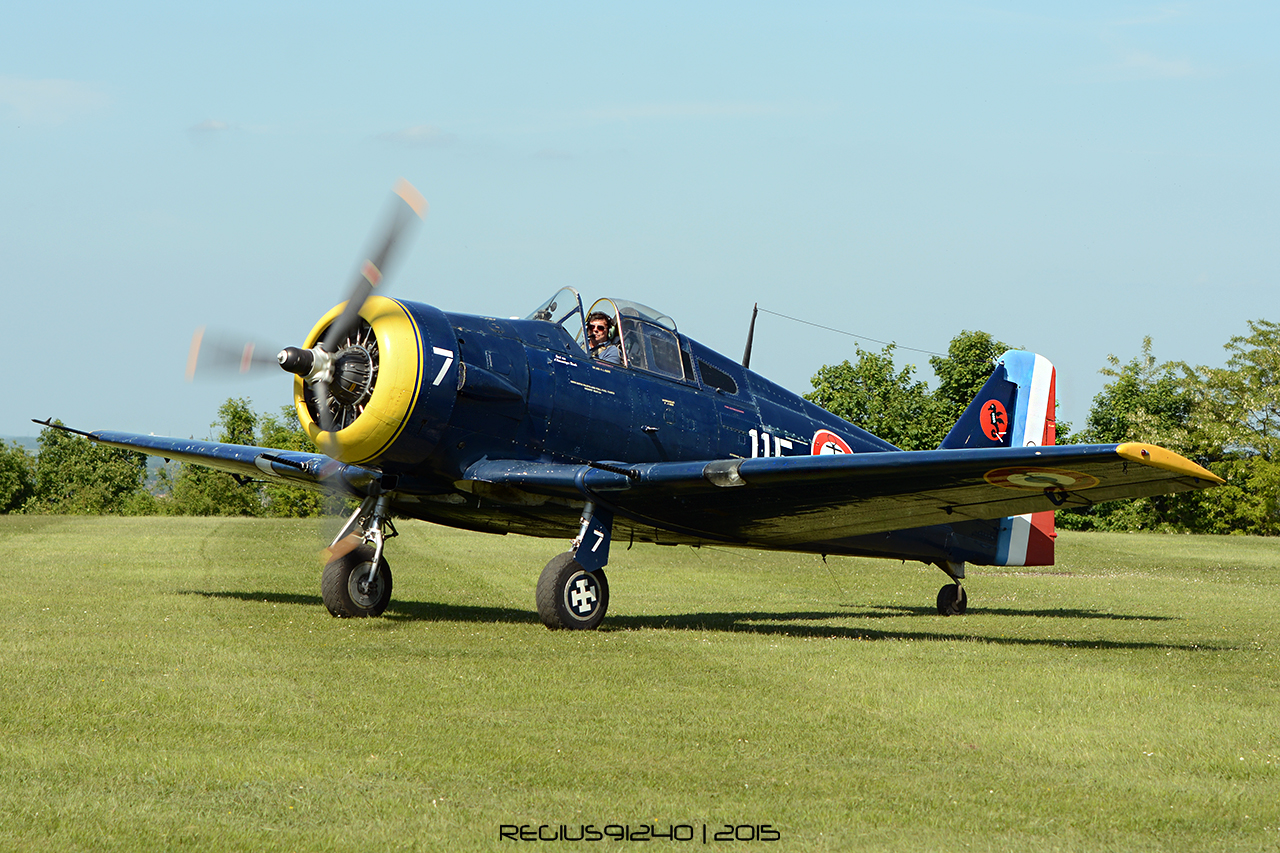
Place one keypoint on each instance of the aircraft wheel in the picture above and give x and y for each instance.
(571, 597)
(952, 600)
(345, 587)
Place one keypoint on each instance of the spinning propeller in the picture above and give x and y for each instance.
(338, 373)
(340, 370)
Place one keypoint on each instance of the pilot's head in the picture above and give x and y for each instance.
(598, 326)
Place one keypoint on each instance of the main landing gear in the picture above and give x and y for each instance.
(952, 600)
(573, 592)
(357, 580)
(353, 587)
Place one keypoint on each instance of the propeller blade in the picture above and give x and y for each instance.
(341, 548)
(214, 353)
(409, 208)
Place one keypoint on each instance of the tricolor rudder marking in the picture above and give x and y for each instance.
(1027, 540)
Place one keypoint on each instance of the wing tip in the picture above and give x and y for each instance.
(1158, 457)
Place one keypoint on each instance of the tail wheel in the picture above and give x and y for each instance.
(571, 597)
(347, 590)
(952, 600)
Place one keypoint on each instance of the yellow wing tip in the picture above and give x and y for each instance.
(1158, 457)
(412, 197)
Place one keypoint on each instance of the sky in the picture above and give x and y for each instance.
(1069, 179)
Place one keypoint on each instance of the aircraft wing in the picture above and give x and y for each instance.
(310, 470)
(794, 500)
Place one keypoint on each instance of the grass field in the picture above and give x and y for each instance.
(175, 683)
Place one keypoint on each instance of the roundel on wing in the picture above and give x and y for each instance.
(995, 420)
(826, 442)
(1036, 479)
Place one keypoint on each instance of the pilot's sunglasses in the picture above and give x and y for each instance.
(599, 327)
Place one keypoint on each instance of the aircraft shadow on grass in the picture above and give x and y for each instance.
(802, 624)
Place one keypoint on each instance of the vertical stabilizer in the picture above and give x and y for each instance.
(1015, 408)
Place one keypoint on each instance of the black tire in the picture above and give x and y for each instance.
(345, 591)
(952, 600)
(571, 597)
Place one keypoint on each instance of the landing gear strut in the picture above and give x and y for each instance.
(952, 600)
(357, 580)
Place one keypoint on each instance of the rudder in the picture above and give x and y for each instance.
(1015, 408)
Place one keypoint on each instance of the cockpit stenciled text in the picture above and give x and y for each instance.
(697, 833)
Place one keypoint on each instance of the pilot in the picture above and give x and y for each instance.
(599, 338)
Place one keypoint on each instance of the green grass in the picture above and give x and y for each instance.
(175, 683)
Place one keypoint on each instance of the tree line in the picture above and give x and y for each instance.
(1225, 418)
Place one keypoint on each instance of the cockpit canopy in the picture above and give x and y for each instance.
(646, 337)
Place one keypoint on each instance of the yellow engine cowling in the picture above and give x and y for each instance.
(395, 391)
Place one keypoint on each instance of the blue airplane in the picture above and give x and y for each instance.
(606, 423)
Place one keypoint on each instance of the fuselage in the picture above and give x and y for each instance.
(573, 408)
(486, 388)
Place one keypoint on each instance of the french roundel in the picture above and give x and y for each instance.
(1035, 479)
(826, 442)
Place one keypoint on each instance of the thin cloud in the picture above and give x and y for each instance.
(421, 136)
(1158, 16)
(1134, 64)
(1145, 65)
(50, 102)
(209, 132)
(208, 126)
(552, 154)
(688, 110)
